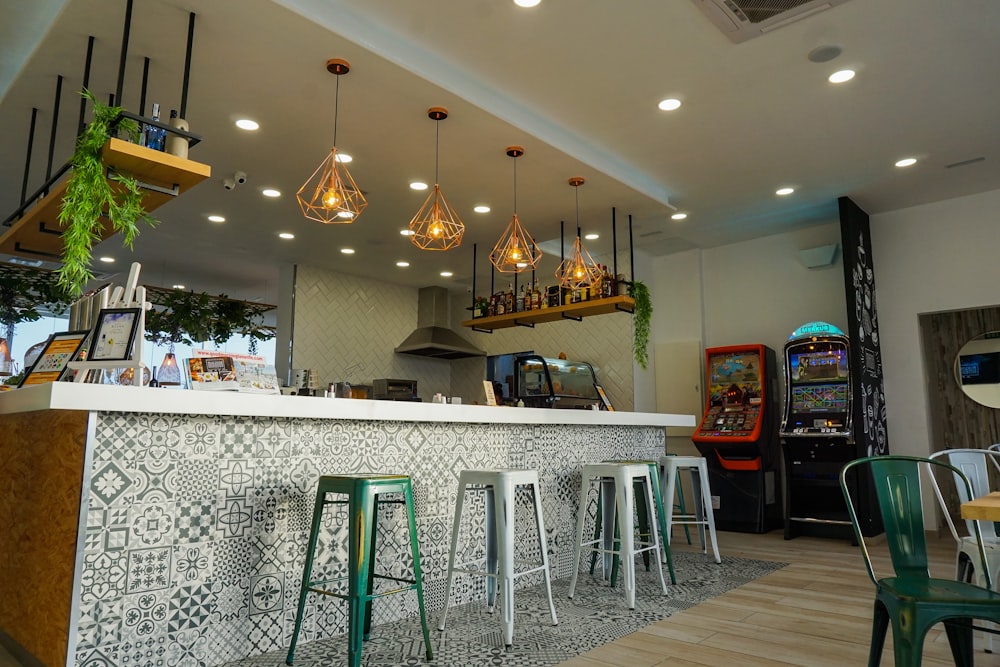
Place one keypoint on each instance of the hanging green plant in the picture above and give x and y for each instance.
(187, 317)
(91, 196)
(26, 294)
(641, 316)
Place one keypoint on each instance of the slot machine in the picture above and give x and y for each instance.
(738, 437)
(816, 435)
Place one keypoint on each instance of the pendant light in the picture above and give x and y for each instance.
(170, 373)
(330, 195)
(579, 269)
(436, 226)
(516, 251)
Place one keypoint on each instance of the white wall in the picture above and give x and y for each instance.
(930, 258)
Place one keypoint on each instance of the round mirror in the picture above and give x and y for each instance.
(977, 369)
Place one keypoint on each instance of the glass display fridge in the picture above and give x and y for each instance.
(541, 382)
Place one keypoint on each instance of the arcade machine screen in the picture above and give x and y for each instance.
(818, 389)
(735, 397)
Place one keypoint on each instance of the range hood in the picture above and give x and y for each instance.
(433, 338)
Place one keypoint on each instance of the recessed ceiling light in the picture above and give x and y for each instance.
(592, 237)
(679, 216)
(216, 218)
(841, 76)
(418, 185)
(482, 208)
(669, 104)
(247, 124)
(347, 215)
(527, 3)
(347, 251)
(402, 265)
(286, 235)
(906, 162)
(107, 260)
(344, 157)
(179, 287)
(782, 192)
(447, 274)
(270, 192)
(522, 265)
(407, 232)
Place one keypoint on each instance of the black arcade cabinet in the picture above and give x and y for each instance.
(738, 437)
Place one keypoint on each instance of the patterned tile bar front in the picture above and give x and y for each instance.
(196, 525)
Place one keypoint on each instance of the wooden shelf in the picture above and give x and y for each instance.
(574, 311)
(37, 234)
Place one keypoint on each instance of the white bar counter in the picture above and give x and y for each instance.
(168, 521)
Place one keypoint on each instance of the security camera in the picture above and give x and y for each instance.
(229, 184)
(241, 177)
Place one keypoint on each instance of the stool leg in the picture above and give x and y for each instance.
(709, 512)
(680, 506)
(503, 536)
(317, 520)
(654, 531)
(597, 534)
(539, 522)
(642, 510)
(699, 506)
(418, 576)
(668, 476)
(492, 582)
(608, 532)
(626, 509)
(362, 506)
(371, 570)
(456, 525)
(580, 516)
(654, 481)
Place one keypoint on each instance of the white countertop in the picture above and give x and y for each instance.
(106, 398)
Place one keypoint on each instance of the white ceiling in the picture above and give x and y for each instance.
(575, 82)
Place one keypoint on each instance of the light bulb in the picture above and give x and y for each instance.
(514, 254)
(436, 229)
(578, 273)
(331, 198)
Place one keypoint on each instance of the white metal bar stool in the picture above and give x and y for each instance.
(500, 487)
(704, 516)
(617, 497)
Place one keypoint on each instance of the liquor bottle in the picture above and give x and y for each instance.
(501, 300)
(509, 299)
(153, 382)
(520, 305)
(176, 144)
(536, 297)
(154, 137)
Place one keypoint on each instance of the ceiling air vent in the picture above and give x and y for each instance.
(745, 19)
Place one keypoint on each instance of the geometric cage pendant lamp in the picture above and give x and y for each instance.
(330, 195)
(516, 250)
(579, 269)
(436, 226)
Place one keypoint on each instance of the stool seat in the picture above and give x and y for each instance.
(363, 493)
(500, 486)
(617, 491)
(704, 515)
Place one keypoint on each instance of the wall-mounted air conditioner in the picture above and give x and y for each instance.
(745, 19)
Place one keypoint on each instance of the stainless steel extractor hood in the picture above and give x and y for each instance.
(433, 338)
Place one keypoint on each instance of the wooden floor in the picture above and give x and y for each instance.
(816, 611)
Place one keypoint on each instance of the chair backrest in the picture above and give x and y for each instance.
(994, 447)
(896, 480)
(976, 465)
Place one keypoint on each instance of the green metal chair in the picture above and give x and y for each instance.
(912, 600)
(362, 493)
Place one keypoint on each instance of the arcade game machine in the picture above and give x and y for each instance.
(739, 439)
(816, 434)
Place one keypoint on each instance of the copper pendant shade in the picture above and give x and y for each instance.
(330, 195)
(516, 251)
(436, 226)
(579, 269)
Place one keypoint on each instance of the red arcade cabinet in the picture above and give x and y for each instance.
(738, 437)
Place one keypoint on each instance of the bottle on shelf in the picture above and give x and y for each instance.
(154, 137)
(508, 305)
(520, 305)
(153, 382)
(176, 144)
(536, 296)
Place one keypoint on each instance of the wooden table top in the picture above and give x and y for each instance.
(983, 508)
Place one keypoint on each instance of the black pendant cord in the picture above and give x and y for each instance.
(145, 83)
(515, 185)
(437, 144)
(577, 193)
(631, 249)
(336, 110)
(614, 243)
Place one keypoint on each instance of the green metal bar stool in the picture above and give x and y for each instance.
(643, 520)
(362, 493)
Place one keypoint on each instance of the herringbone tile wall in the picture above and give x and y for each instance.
(347, 327)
